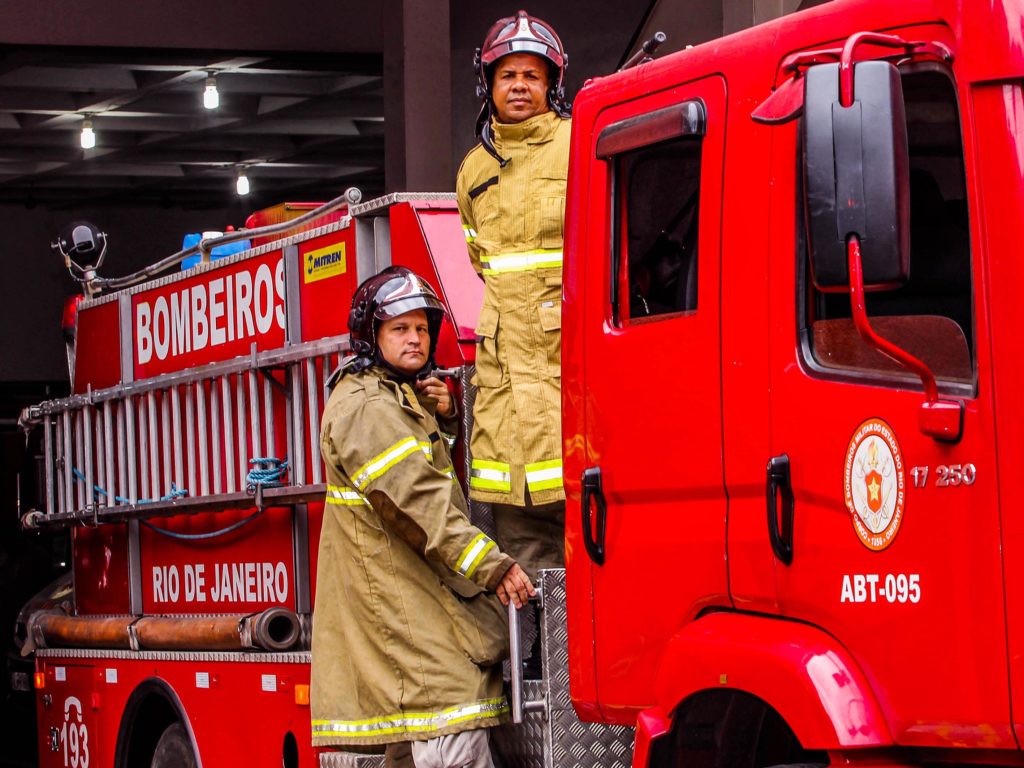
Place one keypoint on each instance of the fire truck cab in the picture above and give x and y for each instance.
(800, 494)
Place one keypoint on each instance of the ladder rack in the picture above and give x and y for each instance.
(181, 443)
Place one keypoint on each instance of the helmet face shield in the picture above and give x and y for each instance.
(541, 30)
(411, 304)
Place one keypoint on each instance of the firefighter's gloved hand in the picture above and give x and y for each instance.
(516, 586)
(437, 390)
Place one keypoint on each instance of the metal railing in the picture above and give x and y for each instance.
(94, 284)
(182, 442)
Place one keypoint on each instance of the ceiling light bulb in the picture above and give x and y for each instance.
(211, 97)
(88, 137)
(242, 183)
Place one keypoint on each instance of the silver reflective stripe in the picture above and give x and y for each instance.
(472, 554)
(491, 474)
(521, 262)
(544, 474)
(339, 494)
(411, 722)
(381, 463)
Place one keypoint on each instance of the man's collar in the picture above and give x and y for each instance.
(534, 130)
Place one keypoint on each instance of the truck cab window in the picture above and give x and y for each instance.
(657, 194)
(932, 315)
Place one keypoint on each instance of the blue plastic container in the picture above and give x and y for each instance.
(218, 252)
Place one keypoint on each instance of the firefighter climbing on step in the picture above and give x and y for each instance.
(408, 637)
(511, 195)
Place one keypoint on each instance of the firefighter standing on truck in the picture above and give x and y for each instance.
(407, 633)
(511, 193)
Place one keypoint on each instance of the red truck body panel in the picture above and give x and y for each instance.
(682, 413)
(998, 114)
(218, 700)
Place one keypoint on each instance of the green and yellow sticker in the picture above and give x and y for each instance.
(324, 262)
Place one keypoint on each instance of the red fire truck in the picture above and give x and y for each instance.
(788, 273)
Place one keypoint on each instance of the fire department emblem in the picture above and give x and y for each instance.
(874, 484)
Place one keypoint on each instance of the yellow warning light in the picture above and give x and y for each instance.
(40, 680)
(302, 695)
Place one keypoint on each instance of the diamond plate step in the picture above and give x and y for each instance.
(556, 738)
(350, 760)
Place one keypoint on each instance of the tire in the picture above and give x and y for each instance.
(174, 749)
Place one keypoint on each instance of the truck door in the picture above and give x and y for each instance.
(894, 535)
(653, 499)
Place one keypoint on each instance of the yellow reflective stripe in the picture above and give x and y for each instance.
(381, 463)
(427, 450)
(344, 496)
(544, 475)
(450, 471)
(473, 554)
(470, 233)
(490, 475)
(521, 262)
(411, 722)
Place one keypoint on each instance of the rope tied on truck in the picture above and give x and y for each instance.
(202, 536)
(99, 491)
(267, 472)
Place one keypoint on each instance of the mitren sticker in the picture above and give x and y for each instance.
(874, 484)
(324, 262)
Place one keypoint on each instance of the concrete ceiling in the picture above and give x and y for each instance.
(309, 124)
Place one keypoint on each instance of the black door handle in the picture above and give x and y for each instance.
(593, 530)
(778, 480)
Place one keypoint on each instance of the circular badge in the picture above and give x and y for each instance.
(874, 484)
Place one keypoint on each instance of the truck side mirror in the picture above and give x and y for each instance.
(856, 175)
(857, 188)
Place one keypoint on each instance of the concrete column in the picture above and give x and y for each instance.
(417, 96)
(740, 14)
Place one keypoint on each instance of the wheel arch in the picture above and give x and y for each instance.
(798, 671)
(151, 707)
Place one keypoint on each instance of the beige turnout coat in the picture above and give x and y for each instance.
(407, 635)
(512, 218)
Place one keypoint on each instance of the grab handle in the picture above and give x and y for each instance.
(593, 526)
(781, 537)
(515, 644)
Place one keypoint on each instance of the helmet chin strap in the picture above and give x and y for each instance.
(360, 363)
(483, 129)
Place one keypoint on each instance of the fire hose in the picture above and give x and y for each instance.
(273, 629)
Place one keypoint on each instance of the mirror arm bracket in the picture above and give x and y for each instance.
(848, 56)
(938, 418)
